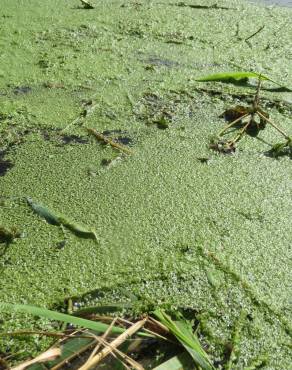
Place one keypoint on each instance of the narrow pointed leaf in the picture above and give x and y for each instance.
(183, 332)
(53, 315)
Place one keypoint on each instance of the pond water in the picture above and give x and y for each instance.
(276, 2)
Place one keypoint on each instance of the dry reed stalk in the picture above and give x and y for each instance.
(105, 334)
(49, 355)
(114, 344)
(100, 137)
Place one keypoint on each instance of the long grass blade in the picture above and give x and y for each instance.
(53, 315)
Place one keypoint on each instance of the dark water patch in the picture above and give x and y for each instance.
(202, 7)
(157, 61)
(73, 139)
(5, 165)
(162, 111)
(55, 135)
(119, 136)
(19, 90)
(4, 116)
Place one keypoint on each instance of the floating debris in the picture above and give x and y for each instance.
(87, 4)
(223, 146)
(44, 212)
(281, 149)
(245, 118)
(79, 230)
(107, 140)
(7, 235)
(60, 220)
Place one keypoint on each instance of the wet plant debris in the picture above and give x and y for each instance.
(248, 120)
(60, 220)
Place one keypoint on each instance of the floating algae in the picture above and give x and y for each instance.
(60, 220)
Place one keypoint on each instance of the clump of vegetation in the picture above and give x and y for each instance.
(96, 339)
(7, 235)
(280, 149)
(247, 120)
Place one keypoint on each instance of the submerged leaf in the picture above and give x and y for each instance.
(44, 212)
(79, 230)
(58, 220)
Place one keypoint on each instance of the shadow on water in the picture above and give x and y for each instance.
(5, 164)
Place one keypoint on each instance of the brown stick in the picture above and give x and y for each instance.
(255, 33)
(105, 334)
(125, 357)
(272, 124)
(100, 137)
(233, 123)
(242, 131)
(114, 344)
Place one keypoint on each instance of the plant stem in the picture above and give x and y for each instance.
(272, 124)
(232, 123)
(242, 131)
(257, 95)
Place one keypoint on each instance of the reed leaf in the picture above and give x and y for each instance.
(57, 316)
(182, 330)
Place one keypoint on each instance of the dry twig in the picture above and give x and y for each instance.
(114, 344)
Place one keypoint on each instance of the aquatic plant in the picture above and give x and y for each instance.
(244, 118)
(170, 328)
(182, 330)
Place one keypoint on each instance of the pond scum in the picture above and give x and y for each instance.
(138, 334)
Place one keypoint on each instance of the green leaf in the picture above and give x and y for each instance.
(237, 76)
(53, 315)
(58, 220)
(71, 348)
(179, 362)
(182, 330)
(44, 212)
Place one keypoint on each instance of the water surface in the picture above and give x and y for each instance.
(276, 2)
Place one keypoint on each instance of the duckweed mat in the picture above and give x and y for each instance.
(176, 224)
